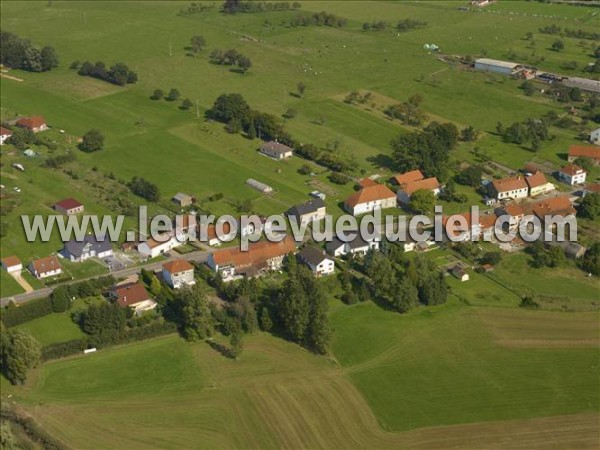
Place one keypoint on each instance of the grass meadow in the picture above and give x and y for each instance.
(476, 373)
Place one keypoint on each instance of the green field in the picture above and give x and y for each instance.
(478, 372)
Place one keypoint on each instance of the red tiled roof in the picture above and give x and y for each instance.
(557, 206)
(47, 264)
(177, 266)
(572, 169)
(275, 146)
(68, 203)
(370, 194)
(584, 151)
(130, 294)
(428, 184)
(5, 131)
(509, 184)
(536, 180)
(595, 187)
(366, 182)
(514, 210)
(211, 231)
(31, 122)
(258, 253)
(11, 261)
(407, 177)
(487, 221)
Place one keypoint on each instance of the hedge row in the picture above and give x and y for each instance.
(15, 315)
(31, 428)
(76, 346)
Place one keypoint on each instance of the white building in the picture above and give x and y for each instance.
(496, 66)
(512, 187)
(310, 211)
(317, 261)
(45, 267)
(356, 245)
(276, 150)
(369, 199)
(89, 247)
(12, 264)
(572, 174)
(152, 248)
(595, 136)
(178, 273)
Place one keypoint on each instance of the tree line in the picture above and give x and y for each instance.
(532, 131)
(570, 32)
(144, 189)
(20, 53)
(240, 6)
(321, 19)
(118, 74)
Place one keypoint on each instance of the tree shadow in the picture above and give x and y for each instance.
(295, 94)
(223, 350)
(382, 161)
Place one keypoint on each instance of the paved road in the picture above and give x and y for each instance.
(198, 256)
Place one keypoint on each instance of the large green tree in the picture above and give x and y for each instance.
(20, 353)
(195, 316)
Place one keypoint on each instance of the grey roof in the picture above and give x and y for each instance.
(75, 248)
(357, 242)
(333, 245)
(583, 83)
(312, 255)
(277, 147)
(309, 207)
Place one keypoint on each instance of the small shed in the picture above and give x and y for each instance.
(460, 273)
(182, 199)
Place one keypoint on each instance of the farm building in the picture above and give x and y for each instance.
(45, 267)
(12, 264)
(214, 239)
(178, 273)
(261, 187)
(407, 177)
(68, 207)
(33, 123)
(407, 189)
(306, 212)
(595, 137)
(512, 213)
(90, 247)
(317, 261)
(276, 150)
(134, 296)
(5, 133)
(584, 151)
(572, 174)
(369, 199)
(496, 66)
(538, 184)
(233, 263)
(182, 199)
(512, 187)
(557, 206)
(584, 84)
(366, 182)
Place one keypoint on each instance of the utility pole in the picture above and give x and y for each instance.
(170, 49)
(85, 18)
(197, 108)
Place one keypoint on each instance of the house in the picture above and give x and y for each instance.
(182, 199)
(511, 187)
(33, 123)
(68, 207)
(276, 150)
(232, 263)
(366, 182)
(369, 199)
(593, 188)
(407, 189)
(317, 261)
(12, 264)
(483, 229)
(407, 177)
(584, 151)
(514, 213)
(212, 237)
(134, 296)
(355, 245)
(557, 206)
(572, 174)
(45, 267)
(5, 133)
(595, 137)
(460, 273)
(538, 184)
(152, 248)
(310, 211)
(90, 247)
(178, 273)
